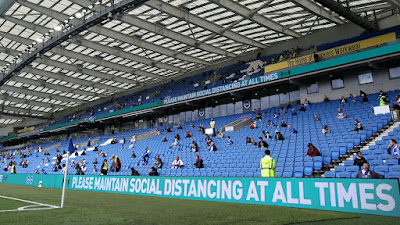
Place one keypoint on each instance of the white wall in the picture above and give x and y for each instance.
(351, 85)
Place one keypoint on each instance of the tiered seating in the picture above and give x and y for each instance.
(240, 159)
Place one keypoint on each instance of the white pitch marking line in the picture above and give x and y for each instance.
(24, 208)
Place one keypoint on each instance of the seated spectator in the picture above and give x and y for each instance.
(134, 172)
(220, 134)
(76, 153)
(352, 98)
(283, 111)
(302, 108)
(212, 147)
(283, 124)
(189, 134)
(343, 100)
(153, 172)
(366, 173)
(83, 168)
(180, 127)
(261, 143)
(270, 124)
(44, 171)
(306, 103)
(143, 162)
(158, 163)
(79, 172)
(55, 169)
(201, 128)
(341, 114)
(250, 140)
(168, 130)
(360, 160)
(95, 161)
(326, 99)
(267, 135)
(229, 141)
(114, 141)
(316, 118)
(292, 130)
(36, 171)
(175, 143)
(177, 136)
(83, 152)
(130, 145)
(288, 106)
(325, 130)
(253, 125)
(294, 113)
(164, 139)
(191, 125)
(312, 151)
(364, 97)
(278, 136)
(195, 147)
(133, 155)
(275, 115)
(94, 169)
(358, 126)
(146, 153)
(199, 162)
(177, 163)
(158, 132)
(393, 149)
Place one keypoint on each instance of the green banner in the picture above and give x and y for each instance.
(370, 196)
(226, 87)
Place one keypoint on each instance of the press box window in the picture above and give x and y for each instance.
(394, 72)
(312, 88)
(337, 83)
(365, 78)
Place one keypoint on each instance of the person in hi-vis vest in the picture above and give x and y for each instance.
(267, 165)
(14, 168)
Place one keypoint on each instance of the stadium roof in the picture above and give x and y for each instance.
(155, 41)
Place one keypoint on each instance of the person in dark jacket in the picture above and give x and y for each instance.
(262, 143)
(312, 151)
(278, 136)
(199, 162)
(358, 126)
(366, 173)
(360, 160)
(134, 172)
(153, 172)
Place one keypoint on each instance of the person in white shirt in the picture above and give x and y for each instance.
(175, 143)
(325, 130)
(177, 163)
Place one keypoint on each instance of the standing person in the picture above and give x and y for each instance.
(122, 142)
(104, 167)
(258, 115)
(212, 125)
(268, 165)
(88, 143)
(117, 162)
(383, 99)
(14, 167)
(134, 138)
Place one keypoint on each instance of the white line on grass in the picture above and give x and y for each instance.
(29, 207)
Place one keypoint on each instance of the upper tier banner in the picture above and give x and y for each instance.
(369, 196)
(332, 52)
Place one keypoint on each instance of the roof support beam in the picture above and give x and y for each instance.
(54, 86)
(191, 18)
(255, 17)
(9, 51)
(318, 10)
(29, 102)
(21, 110)
(132, 20)
(101, 62)
(122, 37)
(79, 69)
(61, 76)
(348, 14)
(39, 94)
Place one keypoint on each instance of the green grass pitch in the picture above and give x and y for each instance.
(83, 207)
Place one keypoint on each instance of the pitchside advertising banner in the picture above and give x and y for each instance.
(368, 196)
